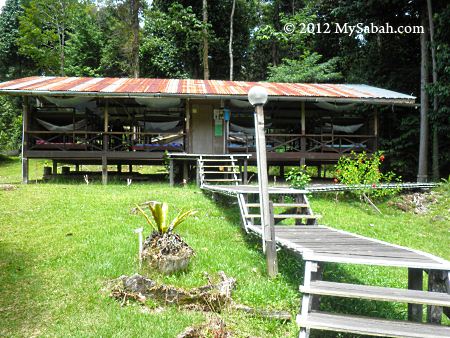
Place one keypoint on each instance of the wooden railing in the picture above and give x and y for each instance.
(103, 141)
(322, 143)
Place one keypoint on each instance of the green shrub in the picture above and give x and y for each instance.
(365, 170)
(298, 177)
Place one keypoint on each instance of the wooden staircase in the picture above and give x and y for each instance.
(297, 229)
(293, 208)
(215, 170)
(312, 318)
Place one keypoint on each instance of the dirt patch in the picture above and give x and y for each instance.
(417, 202)
(214, 328)
(7, 187)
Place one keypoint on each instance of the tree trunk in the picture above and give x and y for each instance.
(435, 147)
(134, 13)
(422, 174)
(205, 41)
(230, 47)
(61, 49)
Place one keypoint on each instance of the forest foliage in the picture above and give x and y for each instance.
(166, 39)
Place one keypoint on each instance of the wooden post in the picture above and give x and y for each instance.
(271, 246)
(415, 282)
(130, 168)
(105, 144)
(187, 127)
(55, 167)
(316, 275)
(119, 168)
(25, 124)
(375, 130)
(245, 174)
(185, 172)
(263, 183)
(104, 170)
(105, 127)
(77, 167)
(436, 283)
(171, 173)
(303, 132)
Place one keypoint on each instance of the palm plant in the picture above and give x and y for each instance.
(160, 214)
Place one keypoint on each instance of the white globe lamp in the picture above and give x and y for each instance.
(257, 95)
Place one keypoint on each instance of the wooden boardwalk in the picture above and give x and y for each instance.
(324, 244)
(319, 244)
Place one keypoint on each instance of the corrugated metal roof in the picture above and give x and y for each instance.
(125, 87)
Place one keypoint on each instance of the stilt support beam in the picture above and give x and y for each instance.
(415, 282)
(104, 170)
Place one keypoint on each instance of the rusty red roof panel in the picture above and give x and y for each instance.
(71, 85)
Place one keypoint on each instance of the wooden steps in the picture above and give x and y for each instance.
(290, 205)
(219, 165)
(209, 170)
(227, 159)
(376, 293)
(371, 326)
(284, 216)
(221, 180)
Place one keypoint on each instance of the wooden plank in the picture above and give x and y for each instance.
(370, 254)
(283, 216)
(376, 293)
(221, 172)
(355, 259)
(297, 205)
(221, 180)
(216, 166)
(228, 160)
(372, 326)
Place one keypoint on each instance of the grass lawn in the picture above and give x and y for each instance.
(59, 243)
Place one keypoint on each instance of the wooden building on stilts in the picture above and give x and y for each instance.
(121, 121)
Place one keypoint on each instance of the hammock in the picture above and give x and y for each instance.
(70, 127)
(159, 103)
(69, 101)
(240, 104)
(350, 129)
(237, 128)
(158, 126)
(335, 107)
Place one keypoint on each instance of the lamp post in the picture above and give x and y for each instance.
(257, 96)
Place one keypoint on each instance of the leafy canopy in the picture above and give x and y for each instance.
(307, 69)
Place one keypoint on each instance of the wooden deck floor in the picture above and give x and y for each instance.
(323, 244)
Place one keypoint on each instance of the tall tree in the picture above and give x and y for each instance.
(134, 14)
(172, 42)
(44, 28)
(435, 142)
(230, 46)
(11, 63)
(205, 40)
(423, 146)
(85, 44)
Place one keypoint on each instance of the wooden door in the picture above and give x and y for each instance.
(202, 133)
